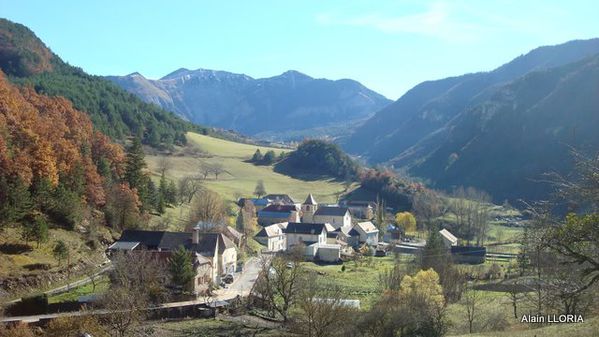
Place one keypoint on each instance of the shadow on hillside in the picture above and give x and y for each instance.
(286, 168)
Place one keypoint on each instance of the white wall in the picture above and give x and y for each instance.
(335, 221)
(294, 239)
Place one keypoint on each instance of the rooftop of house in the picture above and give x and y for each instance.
(360, 203)
(447, 235)
(229, 232)
(367, 227)
(304, 228)
(270, 231)
(282, 198)
(310, 200)
(277, 208)
(154, 240)
(331, 211)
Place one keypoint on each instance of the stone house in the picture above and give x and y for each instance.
(273, 237)
(277, 213)
(213, 254)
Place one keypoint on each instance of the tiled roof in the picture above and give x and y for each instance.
(447, 234)
(284, 198)
(270, 231)
(154, 240)
(310, 200)
(331, 211)
(279, 208)
(304, 228)
(367, 227)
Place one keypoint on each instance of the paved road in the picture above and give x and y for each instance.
(244, 282)
(240, 287)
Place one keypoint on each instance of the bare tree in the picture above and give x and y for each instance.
(205, 169)
(472, 303)
(278, 283)
(514, 295)
(390, 279)
(209, 207)
(126, 306)
(218, 169)
(164, 165)
(142, 270)
(189, 187)
(323, 312)
(427, 206)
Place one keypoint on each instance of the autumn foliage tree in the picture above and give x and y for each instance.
(52, 161)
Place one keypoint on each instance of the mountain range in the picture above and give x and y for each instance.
(288, 106)
(499, 131)
(27, 61)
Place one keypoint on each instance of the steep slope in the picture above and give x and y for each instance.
(430, 105)
(505, 144)
(267, 107)
(115, 112)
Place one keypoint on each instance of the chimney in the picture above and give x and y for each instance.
(195, 238)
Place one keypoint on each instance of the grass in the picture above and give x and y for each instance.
(102, 284)
(360, 282)
(242, 176)
(14, 265)
(214, 327)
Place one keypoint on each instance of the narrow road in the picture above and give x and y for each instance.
(240, 287)
(244, 282)
(62, 289)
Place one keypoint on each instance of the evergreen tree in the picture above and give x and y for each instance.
(15, 200)
(40, 230)
(154, 198)
(269, 157)
(260, 190)
(135, 165)
(43, 192)
(162, 193)
(104, 168)
(171, 193)
(181, 267)
(67, 208)
(60, 251)
(435, 255)
(257, 157)
(36, 230)
(162, 188)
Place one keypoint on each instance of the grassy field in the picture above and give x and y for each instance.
(16, 264)
(242, 176)
(359, 281)
(239, 326)
(102, 284)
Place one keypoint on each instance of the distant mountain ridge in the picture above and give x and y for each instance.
(117, 113)
(456, 131)
(266, 107)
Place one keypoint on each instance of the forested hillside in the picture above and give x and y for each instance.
(53, 165)
(116, 113)
(499, 131)
(506, 144)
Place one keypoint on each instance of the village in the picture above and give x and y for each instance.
(327, 234)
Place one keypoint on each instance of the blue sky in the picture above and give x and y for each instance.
(389, 46)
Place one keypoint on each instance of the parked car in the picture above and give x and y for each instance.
(380, 253)
(228, 279)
